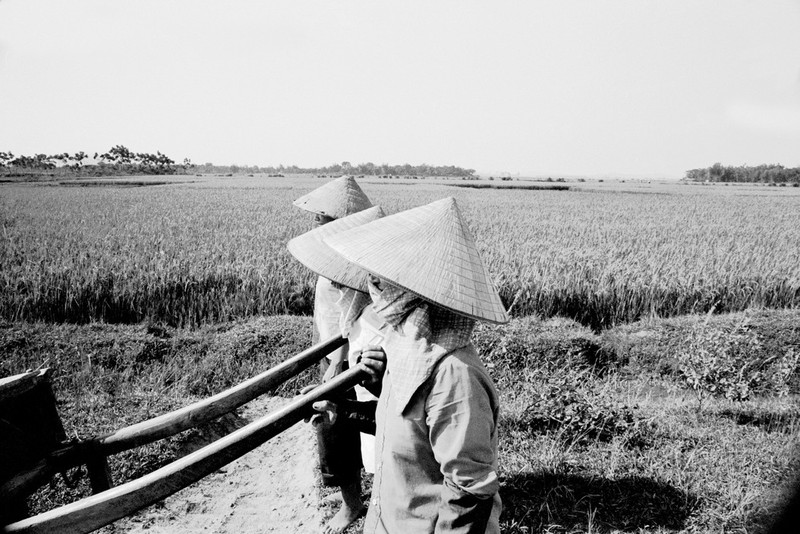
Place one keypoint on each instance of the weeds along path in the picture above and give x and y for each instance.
(270, 489)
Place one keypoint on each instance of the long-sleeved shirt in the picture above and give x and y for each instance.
(326, 310)
(364, 332)
(436, 457)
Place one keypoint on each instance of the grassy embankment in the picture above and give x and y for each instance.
(597, 431)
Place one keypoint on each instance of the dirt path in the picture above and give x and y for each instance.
(270, 489)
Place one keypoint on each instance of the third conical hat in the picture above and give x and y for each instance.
(314, 253)
(429, 251)
(338, 198)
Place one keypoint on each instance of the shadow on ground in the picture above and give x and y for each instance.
(565, 503)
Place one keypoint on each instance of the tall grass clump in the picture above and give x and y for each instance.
(730, 362)
(618, 448)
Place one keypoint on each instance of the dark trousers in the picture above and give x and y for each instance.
(339, 445)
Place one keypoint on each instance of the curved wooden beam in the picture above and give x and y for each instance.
(98, 510)
(167, 424)
(208, 409)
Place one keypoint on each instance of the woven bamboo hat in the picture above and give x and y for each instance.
(314, 253)
(429, 251)
(338, 198)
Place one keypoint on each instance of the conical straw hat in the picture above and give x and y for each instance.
(429, 251)
(338, 198)
(312, 252)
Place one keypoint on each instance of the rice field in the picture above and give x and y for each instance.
(200, 250)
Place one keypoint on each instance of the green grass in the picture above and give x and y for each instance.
(652, 344)
(598, 433)
(670, 468)
(213, 250)
(710, 471)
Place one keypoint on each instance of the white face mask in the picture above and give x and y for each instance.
(350, 303)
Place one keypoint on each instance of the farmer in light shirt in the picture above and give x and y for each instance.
(364, 331)
(436, 420)
(358, 322)
(338, 445)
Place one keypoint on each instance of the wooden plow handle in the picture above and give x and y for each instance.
(106, 507)
(93, 451)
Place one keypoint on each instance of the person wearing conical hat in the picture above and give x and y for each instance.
(335, 199)
(337, 445)
(437, 415)
(362, 327)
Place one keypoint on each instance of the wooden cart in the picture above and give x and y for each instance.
(30, 429)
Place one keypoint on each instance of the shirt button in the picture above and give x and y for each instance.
(375, 501)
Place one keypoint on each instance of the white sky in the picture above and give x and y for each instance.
(565, 87)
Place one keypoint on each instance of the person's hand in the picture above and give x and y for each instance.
(328, 412)
(317, 418)
(373, 361)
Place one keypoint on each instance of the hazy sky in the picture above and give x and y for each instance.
(595, 88)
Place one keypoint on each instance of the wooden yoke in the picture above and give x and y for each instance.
(104, 508)
(93, 452)
(213, 407)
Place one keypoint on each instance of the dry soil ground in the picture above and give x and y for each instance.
(271, 489)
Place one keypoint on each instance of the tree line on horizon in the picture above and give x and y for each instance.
(768, 174)
(117, 160)
(121, 160)
(336, 169)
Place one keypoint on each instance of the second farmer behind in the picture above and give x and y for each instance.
(338, 445)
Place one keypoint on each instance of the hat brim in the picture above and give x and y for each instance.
(430, 252)
(311, 250)
(336, 199)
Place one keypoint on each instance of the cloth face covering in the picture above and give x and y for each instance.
(391, 303)
(421, 334)
(351, 303)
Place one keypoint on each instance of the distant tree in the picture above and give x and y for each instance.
(78, 158)
(6, 158)
(43, 161)
(22, 161)
(63, 158)
(38, 161)
(770, 174)
(119, 154)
